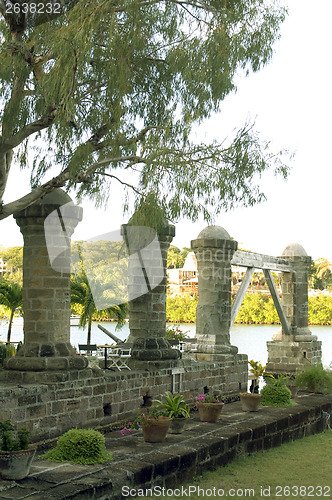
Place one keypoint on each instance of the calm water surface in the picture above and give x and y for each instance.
(250, 339)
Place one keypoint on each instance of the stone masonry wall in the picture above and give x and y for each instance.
(94, 398)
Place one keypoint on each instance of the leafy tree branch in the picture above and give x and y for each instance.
(112, 90)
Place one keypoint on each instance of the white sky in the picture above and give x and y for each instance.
(292, 104)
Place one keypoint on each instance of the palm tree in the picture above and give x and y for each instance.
(10, 296)
(81, 294)
(323, 266)
(321, 274)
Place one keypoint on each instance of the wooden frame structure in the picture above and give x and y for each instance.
(267, 263)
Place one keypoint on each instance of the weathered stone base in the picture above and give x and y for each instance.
(214, 352)
(50, 403)
(43, 377)
(153, 366)
(153, 348)
(36, 357)
(289, 356)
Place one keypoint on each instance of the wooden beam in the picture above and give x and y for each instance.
(276, 300)
(261, 261)
(241, 293)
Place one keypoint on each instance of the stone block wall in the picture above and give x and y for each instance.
(291, 356)
(95, 398)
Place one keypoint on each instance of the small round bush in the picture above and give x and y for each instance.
(80, 446)
(276, 395)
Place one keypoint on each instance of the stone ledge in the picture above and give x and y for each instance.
(181, 457)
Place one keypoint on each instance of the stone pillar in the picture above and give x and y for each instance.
(300, 347)
(214, 250)
(46, 286)
(147, 294)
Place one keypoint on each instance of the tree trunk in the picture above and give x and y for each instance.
(10, 324)
(89, 330)
(5, 163)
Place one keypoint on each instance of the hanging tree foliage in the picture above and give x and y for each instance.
(100, 94)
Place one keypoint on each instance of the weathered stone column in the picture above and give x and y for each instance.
(46, 286)
(147, 294)
(295, 286)
(214, 250)
(300, 347)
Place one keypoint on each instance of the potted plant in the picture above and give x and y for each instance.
(289, 379)
(209, 407)
(155, 424)
(250, 400)
(16, 453)
(315, 378)
(176, 408)
(174, 335)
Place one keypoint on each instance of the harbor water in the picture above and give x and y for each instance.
(250, 339)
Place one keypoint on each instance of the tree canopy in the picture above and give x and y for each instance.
(176, 257)
(14, 258)
(81, 294)
(321, 274)
(98, 95)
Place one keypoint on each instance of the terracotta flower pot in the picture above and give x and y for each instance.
(16, 464)
(250, 401)
(155, 429)
(209, 412)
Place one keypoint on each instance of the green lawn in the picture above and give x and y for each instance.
(301, 469)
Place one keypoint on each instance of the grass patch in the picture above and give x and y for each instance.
(293, 470)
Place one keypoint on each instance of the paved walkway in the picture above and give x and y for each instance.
(138, 464)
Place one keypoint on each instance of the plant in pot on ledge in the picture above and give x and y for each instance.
(174, 335)
(289, 379)
(315, 378)
(209, 407)
(16, 454)
(176, 408)
(154, 423)
(250, 400)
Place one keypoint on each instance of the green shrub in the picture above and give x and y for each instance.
(315, 378)
(2, 352)
(8, 441)
(276, 394)
(10, 350)
(320, 310)
(257, 308)
(181, 309)
(6, 351)
(80, 446)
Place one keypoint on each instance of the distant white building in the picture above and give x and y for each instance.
(3, 266)
(184, 280)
